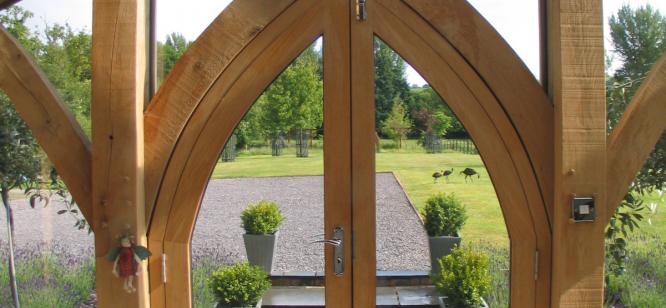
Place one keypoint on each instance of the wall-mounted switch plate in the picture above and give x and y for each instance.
(583, 209)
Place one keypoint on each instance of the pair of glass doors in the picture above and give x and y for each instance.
(348, 29)
(349, 128)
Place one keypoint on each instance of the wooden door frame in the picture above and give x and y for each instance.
(492, 117)
(214, 119)
(517, 165)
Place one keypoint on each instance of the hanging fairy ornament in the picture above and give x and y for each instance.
(126, 260)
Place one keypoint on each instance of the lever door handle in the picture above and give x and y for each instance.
(330, 242)
(338, 250)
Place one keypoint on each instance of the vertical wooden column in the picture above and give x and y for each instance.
(577, 88)
(119, 78)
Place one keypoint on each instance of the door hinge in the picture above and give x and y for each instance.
(361, 13)
(164, 269)
(536, 265)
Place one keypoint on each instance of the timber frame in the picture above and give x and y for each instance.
(539, 145)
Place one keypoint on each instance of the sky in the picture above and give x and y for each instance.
(515, 20)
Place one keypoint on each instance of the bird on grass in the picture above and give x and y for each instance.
(446, 174)
(437, 175)
(469, 172)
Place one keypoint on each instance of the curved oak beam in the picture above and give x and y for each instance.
(50, 121)
(481, 110)
(634, 138)
(192, 77)
(215, 115)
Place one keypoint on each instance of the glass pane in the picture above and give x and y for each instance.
(173, 38)
(518, 23)
(635, 36)
(53, 251)
(426, 159)
(52, 248)
(58, 36)
(275, 155)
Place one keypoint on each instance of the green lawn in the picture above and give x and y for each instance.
(414, 169)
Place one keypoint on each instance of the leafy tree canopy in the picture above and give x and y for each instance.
(639, 38)
(390, 81)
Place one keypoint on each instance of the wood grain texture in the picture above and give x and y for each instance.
(364, 139)
(519, 93)
(52, 124)
(208, 128)
(635, 136)
(577, 88)
(118, 78)
(192, 76)
(337, 150)
(474, 102)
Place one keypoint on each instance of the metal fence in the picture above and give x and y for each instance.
(460, 145)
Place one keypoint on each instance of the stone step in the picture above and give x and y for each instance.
(406, 296)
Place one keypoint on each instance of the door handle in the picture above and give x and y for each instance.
(338, 250)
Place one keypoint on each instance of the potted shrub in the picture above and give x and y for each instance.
(444, 215)
(240, 285)
(261, 222)
(462, 279)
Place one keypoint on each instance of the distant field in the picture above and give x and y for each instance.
(414, 169)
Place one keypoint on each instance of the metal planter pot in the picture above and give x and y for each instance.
(441, 246)
(260, 248)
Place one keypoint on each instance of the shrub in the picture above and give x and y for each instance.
(463, 277)
(444, 215)
(240, 285)
(263, 217)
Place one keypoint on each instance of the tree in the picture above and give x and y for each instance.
(425, 106)
(397, 124)
(19, 167)
(294, 99)
(639, 39)
(64, 56)
(169, 52)
(19, 162)
(390, 81)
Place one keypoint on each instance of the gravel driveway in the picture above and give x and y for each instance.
(401, 239)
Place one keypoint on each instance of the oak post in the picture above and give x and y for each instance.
(118, 96)
(577, 88)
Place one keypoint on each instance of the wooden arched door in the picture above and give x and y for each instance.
(464, 60)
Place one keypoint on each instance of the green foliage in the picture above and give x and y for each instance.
(49, 280)
(463, 277)
(390, 81)
(499, 269)
(444, 215)
(397, 124)
(295, 98)
(240, 285)
(625, 220)
(644, 282)
(264, 217)
(19, 153)
(168, 54)
(639, 38)
(430, 114)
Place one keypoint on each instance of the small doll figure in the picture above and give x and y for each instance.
(126, 260)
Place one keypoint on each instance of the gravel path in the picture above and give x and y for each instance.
(401, 239)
